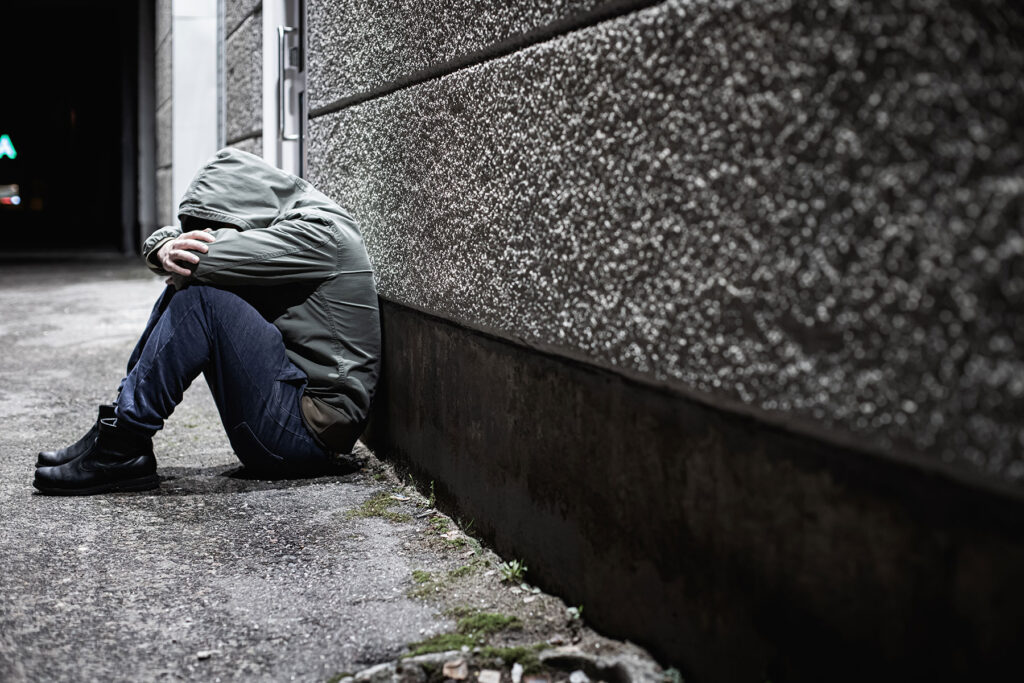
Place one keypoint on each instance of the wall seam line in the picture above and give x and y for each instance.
(503, 48)
(244, 136)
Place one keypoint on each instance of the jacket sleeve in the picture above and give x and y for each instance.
(293, 250)
(153, 243)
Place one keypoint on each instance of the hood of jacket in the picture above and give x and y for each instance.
(245, 192)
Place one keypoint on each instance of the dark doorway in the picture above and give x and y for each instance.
(67, 105)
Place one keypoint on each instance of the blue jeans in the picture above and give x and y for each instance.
(254, 384)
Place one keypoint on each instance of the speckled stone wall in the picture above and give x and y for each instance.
(162, 19)
(237, 11)
(357, 46)
(163, 69)
(814, 213)
(164, 104)
(250, 145)
(243, 78)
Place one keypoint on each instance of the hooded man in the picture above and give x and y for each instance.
(271, 296)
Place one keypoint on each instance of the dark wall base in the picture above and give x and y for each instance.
(732, 549)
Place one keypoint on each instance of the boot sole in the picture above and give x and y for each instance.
(146, 483)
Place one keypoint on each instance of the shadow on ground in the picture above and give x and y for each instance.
(223, 479)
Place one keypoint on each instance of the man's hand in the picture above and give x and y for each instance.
(184, 249)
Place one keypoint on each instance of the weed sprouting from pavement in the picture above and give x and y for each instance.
(442, 642)
(461, 571)
(466, 527)
(472, 630)
(513, 571)
(379, 505)
(483, 624)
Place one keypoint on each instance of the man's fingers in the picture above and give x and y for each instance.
(183, 250)
(183, 255)
(193, 245)
(171, 267)
(201, 235)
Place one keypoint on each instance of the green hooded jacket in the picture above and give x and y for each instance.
(299, 259)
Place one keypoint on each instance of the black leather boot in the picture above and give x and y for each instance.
(119, 460)
(68, 453)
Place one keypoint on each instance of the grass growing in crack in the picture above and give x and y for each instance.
(472, 629)
(513, 571)
(442, 526)
(429, 584)
(442, 642)
(379, 505)
(459, 611)
(464, 570)
(483, 624)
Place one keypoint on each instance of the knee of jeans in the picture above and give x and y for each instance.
(208, 297)
(213, 297)
(186, 296)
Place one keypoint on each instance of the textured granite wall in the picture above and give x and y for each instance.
(357, 46)
(243, 78)
(164, 105)
(250, 145)
(811, 212)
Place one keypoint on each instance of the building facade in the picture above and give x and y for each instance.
(711, 311)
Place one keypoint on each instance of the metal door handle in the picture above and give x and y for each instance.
(282, 31)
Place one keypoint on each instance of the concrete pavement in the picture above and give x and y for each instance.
(216, 576)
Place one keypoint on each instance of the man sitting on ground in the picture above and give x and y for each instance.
(271, 296)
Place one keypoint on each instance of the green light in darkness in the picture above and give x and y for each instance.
(7, 147)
